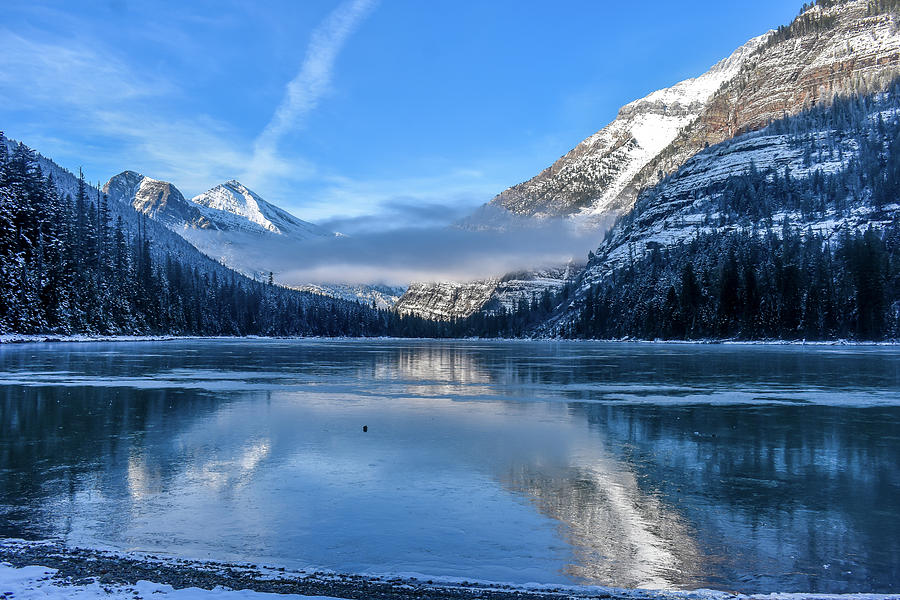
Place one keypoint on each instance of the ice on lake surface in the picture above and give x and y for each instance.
(750, 468)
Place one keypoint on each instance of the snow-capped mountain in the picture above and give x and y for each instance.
(598, 175)
(843, 48)
(828, 175)
(229, 207)
(236, 227)
(229, 223)
(834, 49)
(241, 208)
(159, 200)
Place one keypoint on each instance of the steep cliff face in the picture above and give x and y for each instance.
(848, 47)
(597, 173)
(446, 300)
(381, 296)
(452, 300)
(159, 200)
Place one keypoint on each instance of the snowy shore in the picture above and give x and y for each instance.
(50, 570)
(21, 338)
(42, 582)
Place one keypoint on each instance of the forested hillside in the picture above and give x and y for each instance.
(66, 266)
(791, 232)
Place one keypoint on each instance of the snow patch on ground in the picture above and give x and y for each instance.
(35, 582)
(38, 582)
(23, 338)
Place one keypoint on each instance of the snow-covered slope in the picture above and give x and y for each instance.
(853, 141)
(596, 175)
(840, 49)
(241, 208)
(681, 209)
(845, 49)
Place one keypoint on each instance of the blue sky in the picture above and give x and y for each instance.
(341, 110)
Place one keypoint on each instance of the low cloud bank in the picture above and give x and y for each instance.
(407, 254)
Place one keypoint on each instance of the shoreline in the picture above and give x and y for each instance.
(49, 338)
(117, 574)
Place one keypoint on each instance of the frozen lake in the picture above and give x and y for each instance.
(733, 467)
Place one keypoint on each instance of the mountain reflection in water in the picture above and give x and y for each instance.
(749, 468)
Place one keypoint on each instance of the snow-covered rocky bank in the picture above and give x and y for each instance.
(22, 338)
(19, 338)
(49, 570)
(42, 582)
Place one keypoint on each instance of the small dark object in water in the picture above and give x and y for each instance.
(365, 428)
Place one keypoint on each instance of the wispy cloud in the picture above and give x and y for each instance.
(85, 85)
(304, 91)
(115, 115)
(402, 213)
(86, 89)
(438, 198)
(74, 73)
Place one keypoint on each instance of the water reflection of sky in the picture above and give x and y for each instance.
(755, 469)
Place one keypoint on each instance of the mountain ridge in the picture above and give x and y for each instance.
(235, 198)
(791, 230)
(608, 160)
(229, 206)
(827, 50)
(831, 49)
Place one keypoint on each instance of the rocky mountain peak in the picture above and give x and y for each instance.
(830, 49)
(691, 95)
(123, 186)
(159, 200)
(245, 208)
(594, 175)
